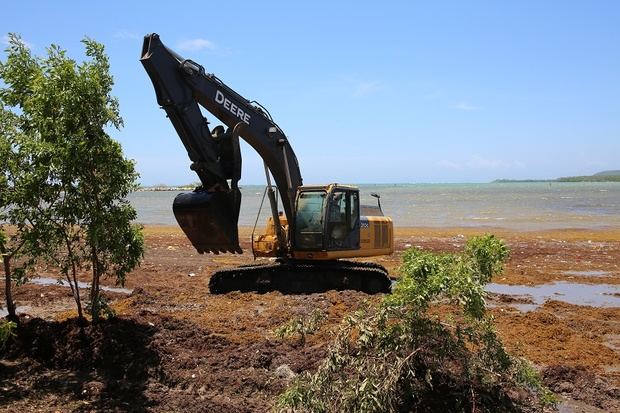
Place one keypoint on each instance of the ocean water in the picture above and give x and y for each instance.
(517, 206)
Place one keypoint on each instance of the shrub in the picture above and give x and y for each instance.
(301, 326)
(7, 330)
(429, 346)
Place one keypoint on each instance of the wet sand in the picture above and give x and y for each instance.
(576, 346)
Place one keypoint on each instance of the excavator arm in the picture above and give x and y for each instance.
(210, 214)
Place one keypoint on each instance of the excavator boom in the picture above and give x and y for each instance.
(209, 215)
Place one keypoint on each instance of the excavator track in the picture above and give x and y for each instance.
(302, 277)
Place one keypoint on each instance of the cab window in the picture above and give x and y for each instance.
(309, 220)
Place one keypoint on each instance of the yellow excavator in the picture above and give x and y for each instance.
(319, 226)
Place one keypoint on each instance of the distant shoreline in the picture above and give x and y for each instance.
(165, 188)
(407, 232)
(604, 176)
(566, 179)
(172, 188)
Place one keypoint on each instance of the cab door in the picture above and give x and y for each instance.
(342, 226)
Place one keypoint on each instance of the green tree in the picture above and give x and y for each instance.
(63, 108)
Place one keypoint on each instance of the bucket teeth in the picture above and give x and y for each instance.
(209, 219)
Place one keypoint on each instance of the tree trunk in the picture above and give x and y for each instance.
(73, 283)
(78, 301)
(94, 289)
(10, 305)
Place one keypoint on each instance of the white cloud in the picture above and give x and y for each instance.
(5, 41)
(434, 95)
(449, 164)
(192, 45)
(126, 34)
(480, 162)
(363, 88)
(462, 105)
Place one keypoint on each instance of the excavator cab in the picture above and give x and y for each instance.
(327, 219)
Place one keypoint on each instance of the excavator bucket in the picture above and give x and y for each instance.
(209, 219)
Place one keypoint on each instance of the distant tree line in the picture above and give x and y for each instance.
(605, 176)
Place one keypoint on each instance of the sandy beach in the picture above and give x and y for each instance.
(181, 348)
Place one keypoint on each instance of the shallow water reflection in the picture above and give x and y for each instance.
(590, 273)
(595, 295)
(81, 285)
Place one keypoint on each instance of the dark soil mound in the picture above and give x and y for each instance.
(114, 358)
(156, 364)
(582, 384)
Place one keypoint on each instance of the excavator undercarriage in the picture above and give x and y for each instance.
(302, 276)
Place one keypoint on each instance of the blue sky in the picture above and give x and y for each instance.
(370, 92)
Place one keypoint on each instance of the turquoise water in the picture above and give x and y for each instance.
(519, 206)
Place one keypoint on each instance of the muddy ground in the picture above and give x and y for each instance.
(175, 347)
